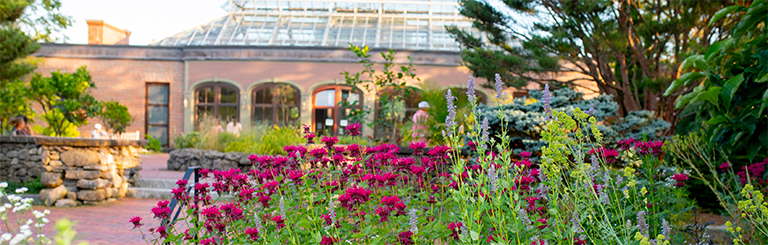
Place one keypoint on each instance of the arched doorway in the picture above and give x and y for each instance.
(332, 106)
(275, 104)
(218, 100)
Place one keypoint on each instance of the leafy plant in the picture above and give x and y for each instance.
(66, 233)
(65, 97)
(186, 140)
(631, 50)
(271, 142)
(154, 144)
(732, 92)
(33, 186)
(68, 129)
(392, 77)
(115, 116)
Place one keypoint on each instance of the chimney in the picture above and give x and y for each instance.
(105, 34)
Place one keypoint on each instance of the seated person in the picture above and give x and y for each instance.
(18, 127)
(99, 133)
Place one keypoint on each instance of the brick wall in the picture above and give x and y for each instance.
(124, 81)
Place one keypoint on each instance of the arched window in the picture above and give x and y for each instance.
(411, 107)
(275, 104)
(330, 115)
(218, 100)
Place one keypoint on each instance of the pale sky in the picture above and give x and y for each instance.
(146, 19)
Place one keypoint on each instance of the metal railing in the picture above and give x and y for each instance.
(176, 205)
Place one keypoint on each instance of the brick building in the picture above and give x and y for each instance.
(266, 62)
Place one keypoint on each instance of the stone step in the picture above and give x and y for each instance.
(156, 183)
(156, 193)
(149, 193)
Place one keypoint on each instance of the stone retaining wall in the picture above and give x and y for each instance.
(181, 159)
(74, 171)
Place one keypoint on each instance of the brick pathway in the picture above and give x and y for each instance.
(109, 224)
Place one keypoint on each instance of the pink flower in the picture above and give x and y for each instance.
(162, 211)
(328, 240)
(330, 141)
(161, 230)
(253, 233)
(455, 229)
(680, 178)
(525, 154)
(725, 166)
(418, 147)
(182, 183)
(405, 238)
(354, 197)
(417, 170)
(136, 222)
(211, 213)
(353, 129)
(232, 211)
(208, 241)
(279, 221)
(296, 176)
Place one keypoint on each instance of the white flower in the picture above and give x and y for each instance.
(8, 205)
(47, 211)
(3, 184)
(38, 214)
(17, 239)
(6, 236)
(45, 220)
(2, 209)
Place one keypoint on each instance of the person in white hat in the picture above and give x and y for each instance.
(420, 122)
(98, 133)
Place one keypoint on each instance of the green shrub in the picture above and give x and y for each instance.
(115, 116)
(34, 186)
(348, 140)
(153, 145)
(271, 143)
(186, 140)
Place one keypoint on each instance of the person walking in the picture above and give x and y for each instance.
(234, 127)
(420, 123)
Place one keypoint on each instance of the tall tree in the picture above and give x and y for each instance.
(24, 23)
(632, 49)
(65, 99)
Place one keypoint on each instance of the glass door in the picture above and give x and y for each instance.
(332, 107)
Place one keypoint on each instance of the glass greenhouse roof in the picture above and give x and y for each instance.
(397, 24)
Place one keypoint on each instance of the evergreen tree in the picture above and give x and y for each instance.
(24, 23)
(632, 49)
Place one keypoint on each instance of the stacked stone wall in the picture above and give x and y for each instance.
(74, 171)
(181, 159)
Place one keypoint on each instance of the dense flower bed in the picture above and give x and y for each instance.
(356, 195)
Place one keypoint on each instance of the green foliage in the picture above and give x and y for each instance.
(115, 116)
(187, 140)
(524, 118)
(153, 145)
(631, 49)
(65, 232)
(22, 24)
(349, 140)
(393, 77)
(68, 129)
(65, 97)
(435, 96)
(270, 143)
(731, 96)
(34, 186)
(13, 102)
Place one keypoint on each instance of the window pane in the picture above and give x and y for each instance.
(159, 132)
(262, 115)
(204, 111)
(205, 95)
(157, 115)
(263, 96)
(158, 94)
(226, 113)
(228, 95)
(287, 115)
(284, 94)
(325, 98)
